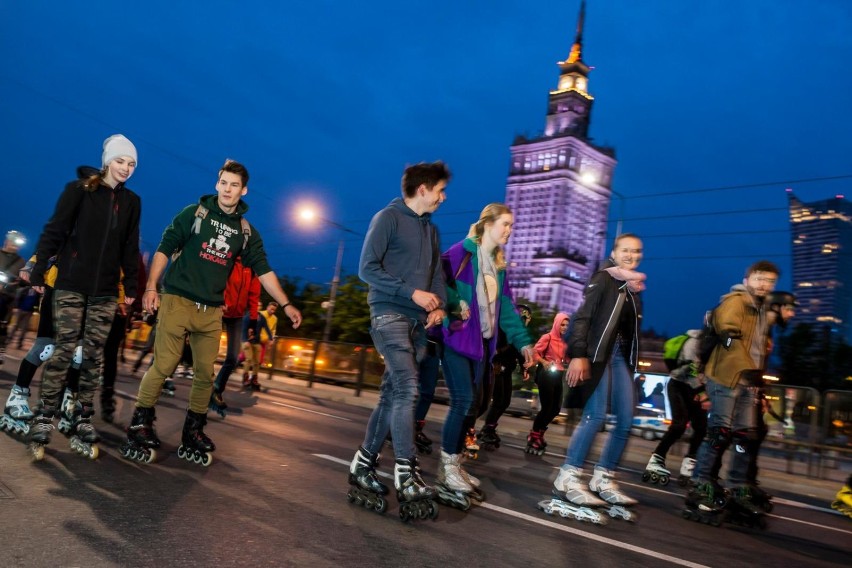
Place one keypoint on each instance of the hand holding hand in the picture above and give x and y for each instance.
(435, 317)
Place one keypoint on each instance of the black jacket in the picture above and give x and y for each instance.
(95, 235)
(604, 315)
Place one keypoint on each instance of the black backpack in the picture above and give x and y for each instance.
(708, 340)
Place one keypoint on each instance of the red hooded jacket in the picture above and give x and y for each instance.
(242, 292)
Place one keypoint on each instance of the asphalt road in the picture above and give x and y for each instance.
(275, 495)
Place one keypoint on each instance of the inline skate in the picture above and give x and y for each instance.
(843, 500)
(423, 443)
(572, 498)
(655, 471)
(535, 443)
(471, 447)
(452, 485)
(705, 503)
(742, 509)
(761, 498)
(17, 416)
(195, 445)
(169, 387)
(488, 438)
(604, 486)
(687, 467)
(40, 431)
(366, 488)
(66, 412)
(217, 403)
(83, 436)
(416, 499)
(142, 439)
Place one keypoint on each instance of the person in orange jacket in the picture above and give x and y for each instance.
(241, 293)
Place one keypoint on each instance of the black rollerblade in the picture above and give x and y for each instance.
(108, 405)
(488, 438)
(705, 503)
(40, 431)
(254, 385)
(83, 436)
(655, 471)
(761, 498)
(535, 443)
(416, 499)
(169, 387)
(195, 445)
(217, 403)
(742, 510)
(366, 488)
(17, 416)
(141, 437)
(423, 443)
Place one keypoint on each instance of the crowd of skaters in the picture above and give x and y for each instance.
(427, 305)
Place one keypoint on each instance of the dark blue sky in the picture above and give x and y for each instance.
(330, 100)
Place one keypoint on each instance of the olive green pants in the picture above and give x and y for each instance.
(177, 318)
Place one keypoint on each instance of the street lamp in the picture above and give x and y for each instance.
(308, 214)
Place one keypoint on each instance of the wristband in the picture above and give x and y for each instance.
(150, 289)
(285, 305)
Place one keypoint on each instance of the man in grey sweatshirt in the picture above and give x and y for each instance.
(400, 261)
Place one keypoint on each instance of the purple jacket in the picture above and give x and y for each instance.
(465, 337)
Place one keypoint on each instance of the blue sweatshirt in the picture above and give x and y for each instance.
(401, 254)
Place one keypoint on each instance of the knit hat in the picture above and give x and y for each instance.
(116, 146)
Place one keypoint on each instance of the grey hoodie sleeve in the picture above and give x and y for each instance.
(371, 268)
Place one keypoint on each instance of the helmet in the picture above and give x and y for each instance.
(782, 299)
(17, 238)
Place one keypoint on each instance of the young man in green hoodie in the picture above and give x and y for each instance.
(203, 242)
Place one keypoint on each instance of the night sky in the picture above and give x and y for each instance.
(714, 108)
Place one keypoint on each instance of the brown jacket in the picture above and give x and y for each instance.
(740, 317)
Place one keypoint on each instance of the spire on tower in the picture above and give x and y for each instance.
(577, 49)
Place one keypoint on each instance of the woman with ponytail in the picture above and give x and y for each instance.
(479, 303)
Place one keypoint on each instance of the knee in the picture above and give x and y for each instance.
(719, 437)
(745, 437)
(41, 351)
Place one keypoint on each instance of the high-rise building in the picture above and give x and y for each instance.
(822, 262)
(559, 190)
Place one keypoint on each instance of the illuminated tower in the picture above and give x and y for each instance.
(822, 262)
(559, 191)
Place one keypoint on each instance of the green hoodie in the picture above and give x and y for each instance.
(207, 249)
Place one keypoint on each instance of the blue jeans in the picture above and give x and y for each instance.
(615, 387)
(402, 342)
(731, 419)
(462, 376)
(234, 331)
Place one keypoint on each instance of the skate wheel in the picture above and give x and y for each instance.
(654, 478)
(206, 459)
(38, 453)
(646, 477)
(381, 505)
(664, 480)
(93, 453)
(768, 507)
(181, 452)
(715, 522)
(350, 496)
(149, 457)
(433, 510)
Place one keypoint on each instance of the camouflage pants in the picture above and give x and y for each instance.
(72, 313)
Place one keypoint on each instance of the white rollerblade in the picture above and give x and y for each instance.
(604, 486)
(572, 499)
(17, 416)
(655, 471)
(687, 467)
(452, 485)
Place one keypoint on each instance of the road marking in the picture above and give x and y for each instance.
(311, 411)
(559, 527)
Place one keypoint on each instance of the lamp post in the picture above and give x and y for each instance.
(309, 215)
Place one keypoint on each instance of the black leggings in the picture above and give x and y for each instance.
(113, 342)
(501, 396)
(684, 409)
(549, 395)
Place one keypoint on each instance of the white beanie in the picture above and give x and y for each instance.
(116, 146)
